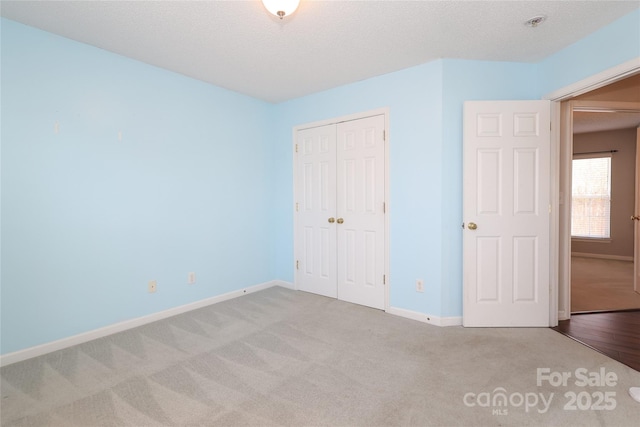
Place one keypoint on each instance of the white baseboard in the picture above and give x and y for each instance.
(426, 318)
(601, 256)
(287, 285)
(49, 347)
(562, 315)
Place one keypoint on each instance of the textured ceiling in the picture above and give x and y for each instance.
(600, 122)
(239, 46)
(626, 90)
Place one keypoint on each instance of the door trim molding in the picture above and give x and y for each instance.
(636, 226)
(561, 129)
(384, 111)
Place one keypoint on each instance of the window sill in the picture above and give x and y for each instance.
(590, 240)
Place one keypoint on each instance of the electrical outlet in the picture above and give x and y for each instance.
(191, 278)
(419, 285)
(153, 284)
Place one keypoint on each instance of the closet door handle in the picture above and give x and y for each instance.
(331, 220)
(635, 218)
(340, 221)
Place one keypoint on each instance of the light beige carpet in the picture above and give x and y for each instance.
(281, 357)
(602, 284)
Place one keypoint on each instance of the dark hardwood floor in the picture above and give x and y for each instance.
(616, 334)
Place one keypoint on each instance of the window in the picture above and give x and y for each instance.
(591, 196)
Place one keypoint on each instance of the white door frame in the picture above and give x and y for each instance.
(566, 155)
(636, 226)
(377, 112)
(560, 301)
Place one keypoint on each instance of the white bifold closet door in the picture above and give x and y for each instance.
(340, 208)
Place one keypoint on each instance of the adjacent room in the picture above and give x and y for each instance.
(604, 159)
(218, 213)
(602, 244)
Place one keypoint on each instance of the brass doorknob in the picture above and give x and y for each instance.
(331, 220)
(340, 221)
(635, 218)
(472, 226)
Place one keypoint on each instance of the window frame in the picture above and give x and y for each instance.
(594, 155)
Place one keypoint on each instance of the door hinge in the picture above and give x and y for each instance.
(384, 279)
(384, 135)
(296, 148)
(384, 207)
(297, 265)
(296, 206)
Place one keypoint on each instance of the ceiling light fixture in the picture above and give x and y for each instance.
(281, 8)
(535, 21)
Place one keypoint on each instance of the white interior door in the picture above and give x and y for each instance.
(506, 212)
(360, 210)
(340, 225)
(316, 210)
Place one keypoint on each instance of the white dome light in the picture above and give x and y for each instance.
(281, 8)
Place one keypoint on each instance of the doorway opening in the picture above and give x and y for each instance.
(601, 268)
(603, 326)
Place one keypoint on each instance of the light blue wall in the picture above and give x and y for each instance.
(414, 97)
(468, 81)
(425, 104)
(88, 220)
(431, 236)
(612, 45)
(202, 180)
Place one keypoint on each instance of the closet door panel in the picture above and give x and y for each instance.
(360, 211)
(316, 188)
